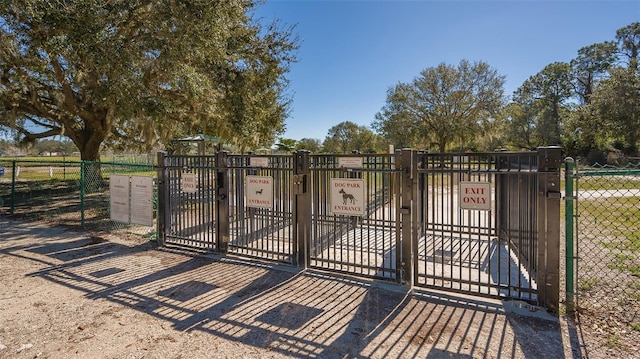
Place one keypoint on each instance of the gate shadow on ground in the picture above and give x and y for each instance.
(298, 314)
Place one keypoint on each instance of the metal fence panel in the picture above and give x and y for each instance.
(70, 193)
(261, 232)
(401, 217)
(607, 233)
(360, 244)
(483, 251)
(190, 204)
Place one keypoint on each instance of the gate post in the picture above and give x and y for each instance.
(301, 209)
(222, 202)
(548, 227)
(569, 196)
(163, 197)
(405, 264)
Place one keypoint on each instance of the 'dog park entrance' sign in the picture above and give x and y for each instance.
(259, 191)
(347, 196)
(474, 195)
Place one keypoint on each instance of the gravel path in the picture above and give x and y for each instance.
(75, 295)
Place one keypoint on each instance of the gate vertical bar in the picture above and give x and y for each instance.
(302, 209)
(406, 263)
(222, 201)
(569, 232)
(548, 227)
(163, 198)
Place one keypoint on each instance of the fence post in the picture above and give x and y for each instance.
(163, 198)
(569, 232)
(222, 201)
(82, 191)
(405, 261)
(13, 187)
(548, 227)
(302, 208)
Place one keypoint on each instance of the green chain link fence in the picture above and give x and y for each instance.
(603, 220)
(69, 193)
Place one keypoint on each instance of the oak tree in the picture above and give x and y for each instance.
(142, 71)
(442, 105)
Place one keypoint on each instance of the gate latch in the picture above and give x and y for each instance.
(299, 184)
(554, 194)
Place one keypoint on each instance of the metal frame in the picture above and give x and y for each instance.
(364, 245)
(413, 231)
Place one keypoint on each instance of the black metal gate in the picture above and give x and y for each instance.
(265, 233)
(476, 231)
(186, 208)
(364, 244)
(480, 223)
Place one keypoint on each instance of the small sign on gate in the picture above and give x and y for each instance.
(474, 195)
(189, 182)
(350, 162)
(259, 191)
(259, 161)
(347, 196)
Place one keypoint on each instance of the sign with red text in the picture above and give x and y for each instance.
(347, 196)
(259, 191)
(189, 182)
(475, 195)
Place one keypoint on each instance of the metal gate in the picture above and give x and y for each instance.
(364, 244)
(187, 195)
(478, 228)
(481, 223)
(262, 232)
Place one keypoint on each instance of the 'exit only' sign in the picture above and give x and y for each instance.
(475, 195)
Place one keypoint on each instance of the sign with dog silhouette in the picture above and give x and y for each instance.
(259, 191)
(347, 196)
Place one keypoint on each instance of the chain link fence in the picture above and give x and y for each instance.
(606, 201)
(69, 193)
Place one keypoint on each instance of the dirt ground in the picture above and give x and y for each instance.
(65, 294)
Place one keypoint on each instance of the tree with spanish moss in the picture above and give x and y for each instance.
(141, 72)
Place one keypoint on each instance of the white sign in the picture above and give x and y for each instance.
(474, 195)
(189, 182)
(119, 198)
(259, 161)
(142, 200)
(350, 162)
(259, 191)
(347, 196)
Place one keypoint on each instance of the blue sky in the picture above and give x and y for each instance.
(353, 51)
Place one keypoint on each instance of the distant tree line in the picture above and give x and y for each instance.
(44, 147)
(589, 105)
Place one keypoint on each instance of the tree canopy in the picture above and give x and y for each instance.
(590, 103)
(347, 136)
(443, 104)
(138, 72)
